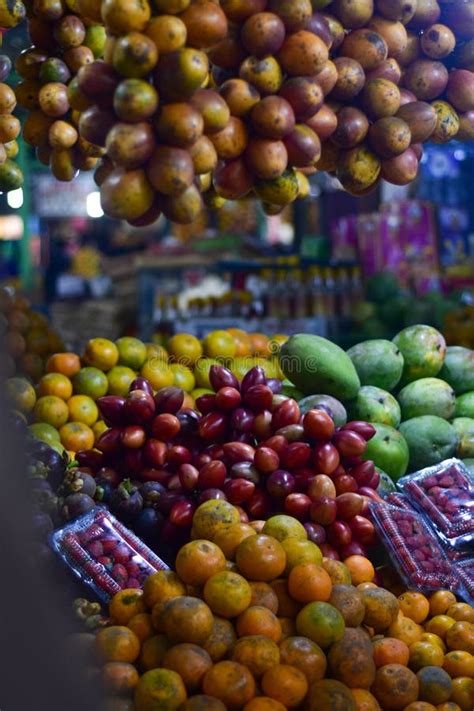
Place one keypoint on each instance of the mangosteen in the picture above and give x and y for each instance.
(103, 490)
(151, 491)
(77, 505)
(43, 495)
(148, 525)
(77, 481)
(126, 501)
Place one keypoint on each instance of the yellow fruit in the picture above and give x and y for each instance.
(183, 377)
(219, 344)
(101, 353)
(21, 394)
(52, 410)
(82, 408)
(184, 348)
(158, 373)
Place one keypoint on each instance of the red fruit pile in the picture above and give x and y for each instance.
(249, 446)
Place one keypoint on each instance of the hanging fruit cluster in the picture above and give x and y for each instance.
(198, 101)
(11, 176)
(63, 42)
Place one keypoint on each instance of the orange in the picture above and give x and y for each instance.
(119, 677)
(15, 344)
(221, 639)
(55, 384)
(190, 662)
(21, 394)
(360, 568)
(415, 606)
(184, 348)
(159, 689)
(388, 650)
(101, 353)
(424, 654)
(463, 693)
(282, 526)
(229, 538)
(119, 378)
(433, 639)
(141, 625)
(154, 350)
(275, 343)
(258, 620)
(260, 558)
(287, 607)
(228, 594)
(459, 663)
(52, 410)
(242, 340)
(461, 636)
(82, 408)
(44, 432)
(440, 624)
(187, 619)
(420, 706)
(231, 683)
(117, 644)
(364, 700)
(264, 595)
(37, 342)
(288, 627)
(201, 702)
(90, 381)
(256, 652)
(213, 515)
(309, 582)
(260, 344)
(440, 601)
(305, 655)
(99, 428)
(448, 706)
(162, 586)
(285, 684)
(158, 373)
(183, 377)
(338, 572)
(299, 552)
(126, 604)
(219, 344)
(76, 436)
(31, 364)
(435, 685)
(405, 629)
(263, 703)
(395, 687)
(201, 372)
(461, 612)
(321, 623)
(132, 352)
(152, 652)
(198, 560)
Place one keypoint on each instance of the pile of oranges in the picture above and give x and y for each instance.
(255, 618)
(63, 406)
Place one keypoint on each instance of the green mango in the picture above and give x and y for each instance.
(375, 405)
(458, 369)
(378, 362)
(465, 405)
(430, 440)
(427, 396)
(423, 349)
(389, 451)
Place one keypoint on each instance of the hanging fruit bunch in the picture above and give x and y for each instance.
(197, 102)
(11, 13)
(63, 42)
(11, 176)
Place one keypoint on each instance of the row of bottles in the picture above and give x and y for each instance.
(287, 294)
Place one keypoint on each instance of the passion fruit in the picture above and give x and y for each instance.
(350, 79)
(130, 144)
(329, 157)
(95, 123)
(212, 108)
(380, 98)
(122, 16)
(303, 147)
(352, 127)
(273, 117)
(167, 32)
(232, 141)
(264, 74)
(134, 55)
(401, 169)
(238, 10)
(358, 169)
(323, 123)
(206, 24)
(170, 170)
(179, 74)
(411, 52)
(62, 164)
(427, 12)
(294, 13)
(240, 96)
(179, 124)
(402, 10)
(319, 25)
(438, 41)
(460, 91)
(279, 191)
(353, 14)
(466, 126)
(62, 135)
(53, 99)
(11, 176)
(135, 100)
(426, 78)
(420, 118)
(327, 77)
(390, 69)
(336, 29)
(183, 208)
(263, 34)
(389, 136)
(447, 122)
(232, 180)
(228, 53)
(203, 155)
(305, 96)
(365, 46)
(393, 32)
(266, 158)
(303, 54)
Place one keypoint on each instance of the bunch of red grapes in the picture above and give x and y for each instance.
(250, 445)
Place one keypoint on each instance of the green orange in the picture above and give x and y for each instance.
(120, 378)
(52, 410)
(21, 394)
(132, 352)
(91, 381)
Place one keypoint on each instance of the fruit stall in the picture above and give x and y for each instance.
(237, 354)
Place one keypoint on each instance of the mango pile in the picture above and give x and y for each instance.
(196, 102)
(255, 618)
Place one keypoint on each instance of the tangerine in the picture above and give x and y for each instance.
(55, 384)
(21, 394)
(287, 607)
(283, 526)
(126, 604)
(141, 625)
(52, 410)
(90, 381)
(459, 663)
(221, 639)
(435, 685)
(44, 432)
(76, 436)
(424, 654)
(338, 572)
(120, 377)
(190, 662)
(117, 644)
(152, 652)
(321, 623)
(258, 620)
(350, 603)
(243, 342)
(231, 683)
(15, 344)
(309, 582)
(360, 568)
(82, 408)
(101, 353)
(288, 627)
(201, 372)
(433, 639)
(256, 652)
(395, 687)
(185, 349)
(364, 700)
(162, 586)
(187, 619)
(119, 677)
(198, 560)
(260, 345)
(219, 344)
(30, 364)
(285, 684)
(183, 377)
(229, 538)
(227, 593)
(440, 624)
(381, 609)
(305, 655)
(263, 703)
(415, 606)
(213, 515)
(132, 352)
(299, 552)
(461, 636)
(440, 601)
(330, 695)
(202, 702)
(264, 595)
(161, 689)
(463, 692)
(261, 558)
(388, 650)
(461, 612)
(420, 706)
(405, 629)
(157, 372)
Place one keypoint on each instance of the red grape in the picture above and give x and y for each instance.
(238, 452)
(258, 398)
(292, 433)
(262, 425)
(329, 552)
(326, 458)
(362, 530)
(90, 458)
(321, 485)
(316, 532)
(349, 505)
(255, 376)
(365, 429)
(278, 443)
(245, 470)
(139, 407)
(212, 475)
(213, 426)
(288, 413)
(238, 490)
(165, 427)
(349, 443)
(353, 548)
(339, 534)
(280, 483)
(243, 515)
(155, 452)
(160, 475)
(367, 491)
(323, 510)
(208, 494)
(111, 409)
(169, 400)
(206, 403)
(141, 384)
(133, 436)
(174, 484)
(181, 513)
(298, 505)
(110, 441)
(296, 455)
(228, 399)
(258, 505)
(266, 460)
(178, 455)
(188, 476)
(318, 425)
(242, 419)
(345, 484)
(134, 460)
(221, 377)
(363, 472)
